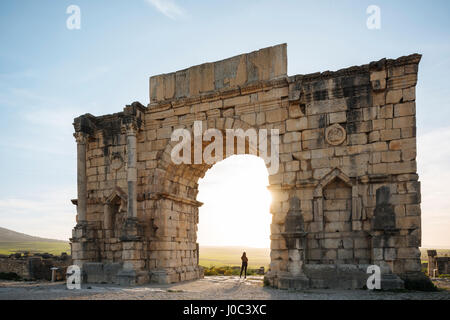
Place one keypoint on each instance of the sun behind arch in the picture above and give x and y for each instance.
(236, 203)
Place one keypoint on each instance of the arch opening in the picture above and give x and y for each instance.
(235, 215)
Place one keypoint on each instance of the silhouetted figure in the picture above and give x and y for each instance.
(244, 265)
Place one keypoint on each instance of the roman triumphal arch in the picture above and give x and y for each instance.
(344, 180)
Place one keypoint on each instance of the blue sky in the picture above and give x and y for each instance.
(50, 74)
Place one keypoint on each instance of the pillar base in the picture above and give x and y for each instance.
(171, 275)
(328, 276)
(126, 278)
(160, 276)
(132, 277)
(97, 272)
(285, 280)
(294, 282)
(391, 282)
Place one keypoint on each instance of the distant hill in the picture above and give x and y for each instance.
(7, 235)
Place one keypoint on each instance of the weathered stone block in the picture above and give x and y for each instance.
(394, 96)
(404, 122)
(295, 111)
(297, 124)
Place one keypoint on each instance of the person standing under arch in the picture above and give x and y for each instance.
(244, 265)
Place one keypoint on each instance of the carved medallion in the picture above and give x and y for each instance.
(116, 161)
(335, 134)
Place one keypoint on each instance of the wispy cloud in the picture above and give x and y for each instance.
(168, 8)
(46, 122)
(60, 118)
(48, 214)
(19, 75)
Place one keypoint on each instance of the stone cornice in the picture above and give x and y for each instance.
(85, 124)
(355, 70)
(130, 118)
(129, 125)
(218, 95)
(253, 87)
(163, 195)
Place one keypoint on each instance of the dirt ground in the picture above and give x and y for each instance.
(209, 288)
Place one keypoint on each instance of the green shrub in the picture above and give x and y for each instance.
(10, 276)
(425, 270)
(227, 271)
(210, 271)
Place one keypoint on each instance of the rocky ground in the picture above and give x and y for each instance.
(217, 287)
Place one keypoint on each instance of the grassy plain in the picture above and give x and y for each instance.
(440, 252)
(231, 256)
(209, 255)
(55, 248)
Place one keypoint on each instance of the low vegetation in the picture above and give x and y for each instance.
(55, 248)
(231, 256)
(227, 271)
(440, 252)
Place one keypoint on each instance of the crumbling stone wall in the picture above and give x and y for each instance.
(346, 194)
(10, 264)
(35, 267)
(437, 265)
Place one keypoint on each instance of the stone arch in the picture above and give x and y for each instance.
(175, 189)
(188, 174)
(333, 133)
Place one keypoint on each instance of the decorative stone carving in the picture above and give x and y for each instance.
(116, 161)
(129, 126)
(294, 225)
(335, 134)
(81, 137)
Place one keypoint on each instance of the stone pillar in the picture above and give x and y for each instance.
(133, 271)
(197, 251)
(131, 228)
(383, 235)
(82, 243)
(131, 170)
(81, 139)
(295, 237)
(431, 262)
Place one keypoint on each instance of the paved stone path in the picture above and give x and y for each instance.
(228, 288)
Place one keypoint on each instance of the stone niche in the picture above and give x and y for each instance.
(346, 194)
